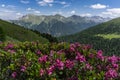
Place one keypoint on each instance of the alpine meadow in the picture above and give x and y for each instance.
(59, 40)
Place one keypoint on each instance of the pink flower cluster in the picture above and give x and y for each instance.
(59, 64)
(75, 62)
(69, 64)
(111, 74)
(43, 59)
(9, 48)
(23, 68)
(80, 58)
(14, 74)
(100, 55)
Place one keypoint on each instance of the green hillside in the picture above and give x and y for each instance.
(15, 32)
(2, 36)
(105, 36)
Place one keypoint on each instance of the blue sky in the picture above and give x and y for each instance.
(13, 9)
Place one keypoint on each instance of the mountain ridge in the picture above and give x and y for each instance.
(51, 23)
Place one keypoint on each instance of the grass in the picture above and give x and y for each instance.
(109, 36)
(19, 33)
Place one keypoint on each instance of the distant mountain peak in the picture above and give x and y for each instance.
(58, 25)
(57, 15)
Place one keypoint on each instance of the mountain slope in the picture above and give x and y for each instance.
(58, 25)
(104, 36)
(2, 36)
(19, 33)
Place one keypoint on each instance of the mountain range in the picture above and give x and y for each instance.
(58, 25)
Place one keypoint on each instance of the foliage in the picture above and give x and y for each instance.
(47, 36)
(62, 61)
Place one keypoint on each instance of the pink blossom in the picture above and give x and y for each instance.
(11, 51)
(118, 58)
(38, 52)
(60, 52)
(88, 66)
(69, 64)
(50, 69)
(100, 55)
(23, 68)
(111, 74)
(80, 58)
(115, 66)
(113, 59)
(86, 47)
(52, 52)
(77, 44)
(14, 74)
(42, 72)
(43, 58)
(59, 64)
(72, 47)
(10, 46)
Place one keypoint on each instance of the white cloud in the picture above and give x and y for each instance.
(46, 2)
(73, 12)
(33, 11)
(30, 9)
(19, 14)
(8, 6)
(24, 1)
(63, 3)
(113, 12)
(86, 14)
(66, 5)
(98, 6)
(42, 3)
(51, 2)
(3, 5)
(50, 5)
(8, 14)
(37, 12)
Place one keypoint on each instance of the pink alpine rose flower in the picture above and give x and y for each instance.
(23, 68)
(38, 52)
(42, 72)
(14, 74)
(43, 59)
(69, 64)
(50, 69)
(113, 59)
(100, 55)
(59, 64)
(111, 74)
(80, 58)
